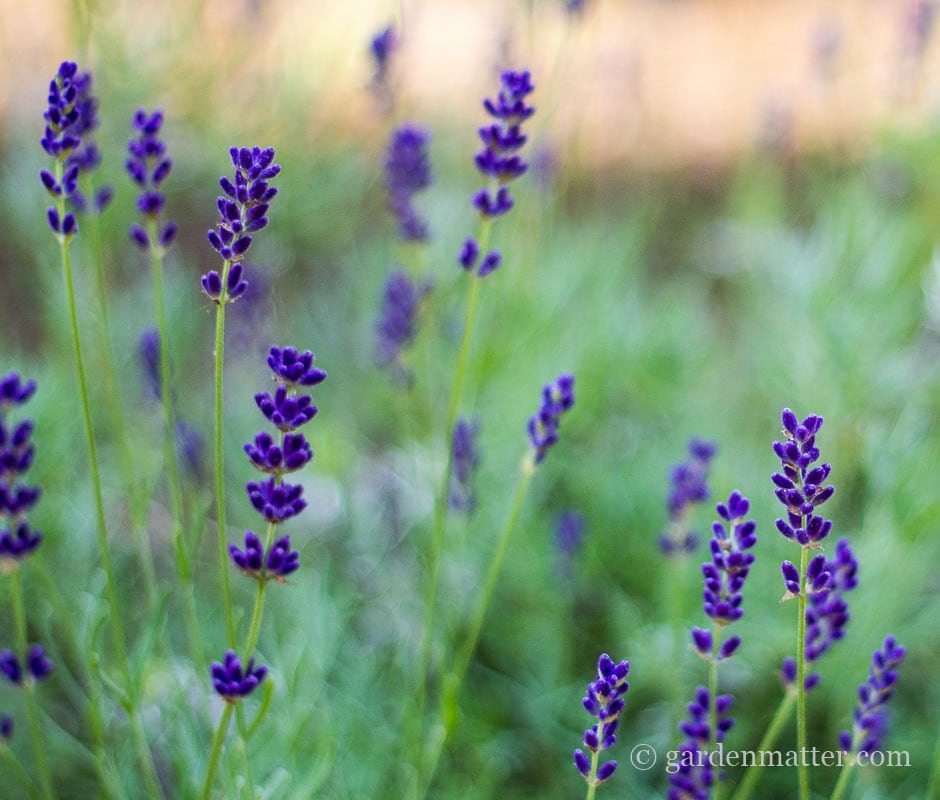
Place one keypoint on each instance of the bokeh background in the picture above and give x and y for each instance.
(732, 208)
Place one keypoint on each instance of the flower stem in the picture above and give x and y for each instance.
(713, 704)
(753, 773)
(216, 752)
(117, 414)
(29, 698)
(191, 620)
(801, 679)
(117, 630)
(219, 463)
(843, 782)
(592, 779)
(453, 682)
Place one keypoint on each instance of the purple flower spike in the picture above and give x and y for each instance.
(285, 410)
(465, 458)
(870, 714)
(243, 209)
(62, 116)
(407, 172)
(17, 538)
(689, 481)
(398, 323)
(6, 727)
(294, 368)
(725, 575)
(604, 701)
(543, 427)
(382, 46)
(276, 502)
(695, 775)
(231, 682)
(799, 486)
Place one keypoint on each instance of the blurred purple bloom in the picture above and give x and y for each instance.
(689, 488)
(148, 166)
(870, 714)
(407, 172)
(543, 427)
(397, 325)
(465, 459)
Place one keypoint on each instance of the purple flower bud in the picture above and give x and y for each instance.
(231, 682)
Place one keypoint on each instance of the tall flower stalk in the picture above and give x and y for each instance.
(801, 489)
(544, 430)
(243, 209)
(276, 501)
(61, 137)
(498, 161)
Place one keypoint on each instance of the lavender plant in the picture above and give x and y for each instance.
(689, 489)
(276, 501)
(604, 701)
(243, 209)
(801, 489)
(466, 459)
(61, 138)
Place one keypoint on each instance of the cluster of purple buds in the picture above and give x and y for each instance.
(231, 681)
(604, 701)
(148, 166)
(726, 573)
(543, 427)
(275, 500)
(87, 157)
(62, 137)
(6, 727)
(689, 481)
(398, 323)
(870, 715)
(407, 172)
(465, 458)
(17, 538)
(800, 485)
(243, 211)
(499, 160)
(695, 775)
(37, 665)
(827, 613)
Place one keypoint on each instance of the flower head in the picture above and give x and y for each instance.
(231, 681)
(243, 210)
(543, 427)
(148, 166)
(871, 712)
(800, 485)
(381, 47)
(397, 325)
(407, 172)
(689, 481)
(465, 458)
(603, 701)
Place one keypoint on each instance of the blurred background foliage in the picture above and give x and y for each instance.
(732, 208)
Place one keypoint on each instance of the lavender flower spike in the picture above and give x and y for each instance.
(87, 157)
(695, 774)
(407, 172)
(398, 323)
(543, 428)
(243, 211)
(148, 166)
(465, 458)
(800, 485)
(689, 481)
(61, 138)
(871, 713)
(604, 701)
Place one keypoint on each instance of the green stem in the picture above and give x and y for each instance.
(753, 773)
(441, 502)
(219, 463)
(801, 679)
(117, 414)
(29, 699)
(216, 751)
(451, 693)
(843, 782)
(592, 779)
(117, 630)
(190, 617)
(713, 702)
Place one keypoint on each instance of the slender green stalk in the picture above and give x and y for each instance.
(219, 462)
(29, 698)
(801, 679)
(933, 784)
(843, 782)
(441, 502)
(752, 775)
(451, 693)
(592, 778)
(713, 702)
(216, 751)
(190, 617)
(117, 413)
(117, 629)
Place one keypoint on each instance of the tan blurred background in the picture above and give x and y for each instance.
(647, 83)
